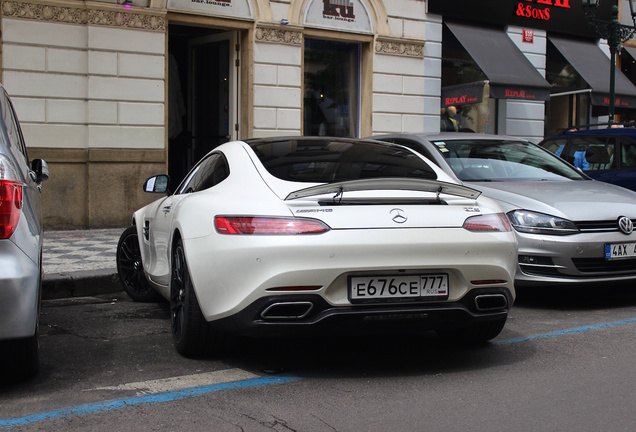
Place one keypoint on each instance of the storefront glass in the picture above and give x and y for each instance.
(459, 68)
(570, 95)
(332, 88)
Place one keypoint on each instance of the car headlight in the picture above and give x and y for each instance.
(540, 223)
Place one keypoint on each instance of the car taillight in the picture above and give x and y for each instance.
(10, 205)
(488, 223)
(268, 225)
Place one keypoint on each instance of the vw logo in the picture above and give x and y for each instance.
(398, 216)
(625, 224)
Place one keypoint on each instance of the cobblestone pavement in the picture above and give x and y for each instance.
(80, 263)
(80, 250)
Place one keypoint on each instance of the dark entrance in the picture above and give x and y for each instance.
(202, 92)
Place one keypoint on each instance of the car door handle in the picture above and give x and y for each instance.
(167, 209)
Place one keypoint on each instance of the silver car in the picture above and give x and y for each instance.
(20, 247)
(571, 229)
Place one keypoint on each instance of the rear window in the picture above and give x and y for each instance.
(335, 160)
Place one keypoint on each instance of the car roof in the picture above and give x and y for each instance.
(449, 136)
(628, 131)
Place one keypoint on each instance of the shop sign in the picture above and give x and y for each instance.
(463, 94)
(619, 101)
(230, 8)
(528, 36)
(341, 15)
(501, 91)
(562, 16)
(461, 100)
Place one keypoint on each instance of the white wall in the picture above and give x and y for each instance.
(526, 119)
(406, 89)
(79, 86)
(277, 89)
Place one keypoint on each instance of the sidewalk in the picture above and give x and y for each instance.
(80, 263)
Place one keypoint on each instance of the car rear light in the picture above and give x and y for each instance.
(488, 223)
(10, 205)
(268, 225)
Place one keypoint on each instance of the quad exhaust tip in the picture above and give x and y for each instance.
(489, 302)
(287, 310)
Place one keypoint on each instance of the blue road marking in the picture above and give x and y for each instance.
(558, 333)
(99, 407)
(117, 404)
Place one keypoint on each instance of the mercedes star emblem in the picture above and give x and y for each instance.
(398, 215)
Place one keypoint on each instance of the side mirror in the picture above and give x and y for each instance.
(41, 170)
(157, 184)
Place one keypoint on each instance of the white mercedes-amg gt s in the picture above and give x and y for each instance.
(295, 234)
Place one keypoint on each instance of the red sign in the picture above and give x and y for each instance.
(528, 36)
(539, 9)
(460, 100)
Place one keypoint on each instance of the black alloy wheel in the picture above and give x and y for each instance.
(193, 336)
(130, 268)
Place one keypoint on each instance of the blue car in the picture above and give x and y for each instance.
(608, 155)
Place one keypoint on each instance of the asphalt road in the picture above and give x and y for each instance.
(565, 362)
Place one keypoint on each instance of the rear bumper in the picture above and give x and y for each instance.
(19, 292)
(230, 273)
(311, 314)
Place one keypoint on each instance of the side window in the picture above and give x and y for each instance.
(13, 128)
(628, 154)
(555, 146)
(590, 152)
(209, 172)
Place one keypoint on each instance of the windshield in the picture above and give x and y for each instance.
(328, 160)
(503, 160)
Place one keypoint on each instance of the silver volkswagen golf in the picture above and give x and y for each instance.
(20, 247)
(571, 230)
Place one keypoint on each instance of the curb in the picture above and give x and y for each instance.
(80, 284)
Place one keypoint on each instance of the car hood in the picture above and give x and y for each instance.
(574, 200)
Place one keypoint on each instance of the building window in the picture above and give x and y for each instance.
(570, 95)
(332, 88)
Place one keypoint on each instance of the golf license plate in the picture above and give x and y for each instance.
(398, 288)
(620, 250)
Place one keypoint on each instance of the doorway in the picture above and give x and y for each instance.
(203, 90)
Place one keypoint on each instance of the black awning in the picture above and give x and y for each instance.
(510, 73)
(593, 65)
(463, 94)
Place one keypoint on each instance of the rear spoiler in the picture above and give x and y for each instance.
(400, 184)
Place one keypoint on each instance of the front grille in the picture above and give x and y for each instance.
(600, 265)
(598, 226)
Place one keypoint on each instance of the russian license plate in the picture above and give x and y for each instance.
(620, 250)
(398, 288)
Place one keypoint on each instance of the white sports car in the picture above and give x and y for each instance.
(280, 235)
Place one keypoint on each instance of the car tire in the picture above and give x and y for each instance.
(476, 333)
(131, 270)
(193, 335)
(21, 359)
